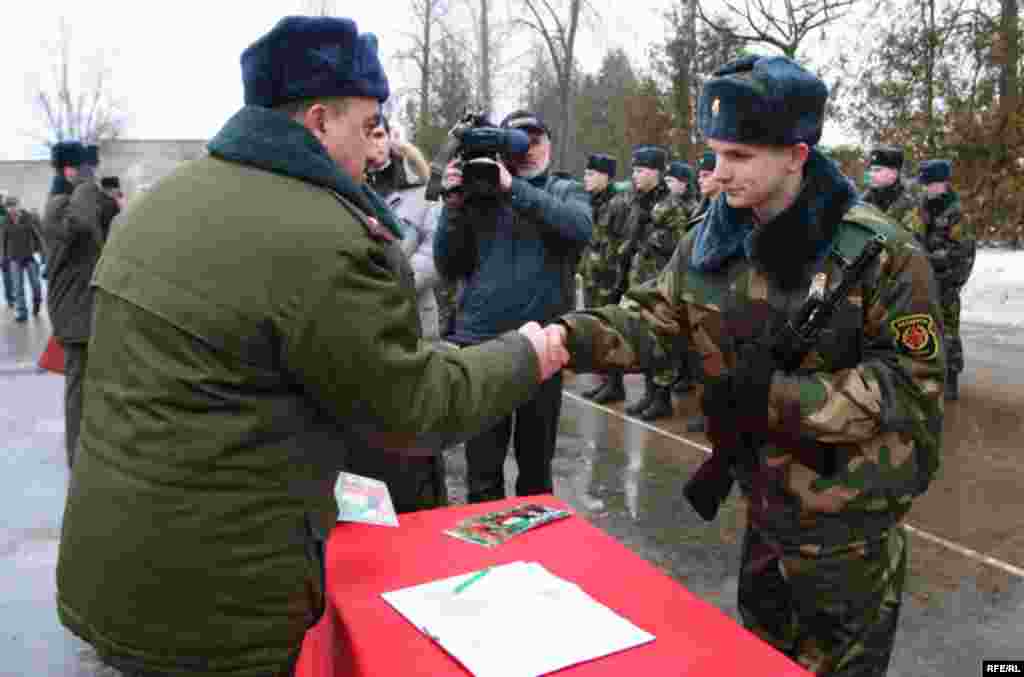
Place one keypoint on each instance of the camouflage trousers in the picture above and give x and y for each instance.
(596, 296)
(951, 323)
(835, 612)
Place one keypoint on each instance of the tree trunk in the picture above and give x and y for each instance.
(929, 66)
(485, 57)
(1008, 76)
(424, 63)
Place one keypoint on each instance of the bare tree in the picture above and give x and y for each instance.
(428, 14)
(1009, 33)
(781, 23)
(84, 109)
(559, 34)
(318, 7)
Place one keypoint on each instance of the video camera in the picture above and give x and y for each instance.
(477, 145)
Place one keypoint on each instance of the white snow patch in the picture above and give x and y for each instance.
(994, 294)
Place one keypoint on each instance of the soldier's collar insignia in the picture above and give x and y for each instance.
(915, 335)
(716, 105)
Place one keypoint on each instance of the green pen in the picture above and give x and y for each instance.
(471, 580)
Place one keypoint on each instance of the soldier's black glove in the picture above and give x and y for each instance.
(739, 398)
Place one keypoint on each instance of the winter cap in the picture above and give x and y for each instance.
(605, 164)
(305, 57)
(680, 170)
(763, 100)
(886, 156)
(652, 157)
(934, 171)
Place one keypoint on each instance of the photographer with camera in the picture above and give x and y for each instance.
(515, 246)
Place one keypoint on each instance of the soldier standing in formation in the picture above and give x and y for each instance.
(600, 264)
(20, 245)
(649, 247)
(888, 191)
(824, 556)
(681, 184)
(951, 243)
(709, 187)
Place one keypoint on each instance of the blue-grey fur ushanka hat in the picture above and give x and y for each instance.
(765, 100)
(605, 164)
(886, 156)
(680, 170)
(933, 171)
(305, 57)
(66, 154)
(652, 157)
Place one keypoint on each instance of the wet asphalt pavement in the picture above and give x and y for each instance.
(625, 478)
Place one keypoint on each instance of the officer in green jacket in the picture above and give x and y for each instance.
(824, 556)
(256, 323)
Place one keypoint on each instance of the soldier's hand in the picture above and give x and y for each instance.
(551, 353)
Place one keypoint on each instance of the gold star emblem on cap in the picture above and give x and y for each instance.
(715, 105)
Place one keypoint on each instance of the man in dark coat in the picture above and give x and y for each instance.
(72, 248)
(20, 244)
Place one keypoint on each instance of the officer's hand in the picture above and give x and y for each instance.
(551, 354)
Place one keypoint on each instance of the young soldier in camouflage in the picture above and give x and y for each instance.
(644, 254)
(950, 243)
(681, 184)
(897, 198)
(824, 556)
(600, 264)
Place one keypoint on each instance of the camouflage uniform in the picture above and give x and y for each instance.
(951, 244)
(600, 264)
(898, 201)
(649, 247)
(824, 558)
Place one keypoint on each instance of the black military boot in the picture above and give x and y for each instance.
(660, 406)
(696, 424)
(683, 383)
(614, 390)
(952, 385)
(637, 407)
(592, 393)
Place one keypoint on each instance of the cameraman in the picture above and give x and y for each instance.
(516, 257)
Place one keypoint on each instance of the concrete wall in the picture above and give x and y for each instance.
(139, 163)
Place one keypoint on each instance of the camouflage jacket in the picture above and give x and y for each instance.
(640, 229)
(871, 392)
(600, 263)
(949, 240)
(667, 225)
(898, 201)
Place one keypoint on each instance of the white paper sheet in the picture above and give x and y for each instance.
(518, 620)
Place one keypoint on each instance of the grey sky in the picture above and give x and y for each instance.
(175, 65)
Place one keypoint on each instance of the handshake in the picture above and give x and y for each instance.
(549, 346)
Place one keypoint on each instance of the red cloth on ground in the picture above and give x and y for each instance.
(362, 635)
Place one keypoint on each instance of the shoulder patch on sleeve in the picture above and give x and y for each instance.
(915, 335)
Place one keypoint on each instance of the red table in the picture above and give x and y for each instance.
(362, 635)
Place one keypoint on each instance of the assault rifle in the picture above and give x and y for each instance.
(711, 484)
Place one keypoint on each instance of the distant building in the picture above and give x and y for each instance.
(140, 163)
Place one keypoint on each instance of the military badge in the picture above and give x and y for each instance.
(915, 335)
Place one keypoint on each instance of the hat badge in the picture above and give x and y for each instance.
(715, 106)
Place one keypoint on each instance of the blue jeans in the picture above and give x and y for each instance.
(19, 269)
(8, 281)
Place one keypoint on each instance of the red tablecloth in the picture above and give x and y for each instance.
(362, 635)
